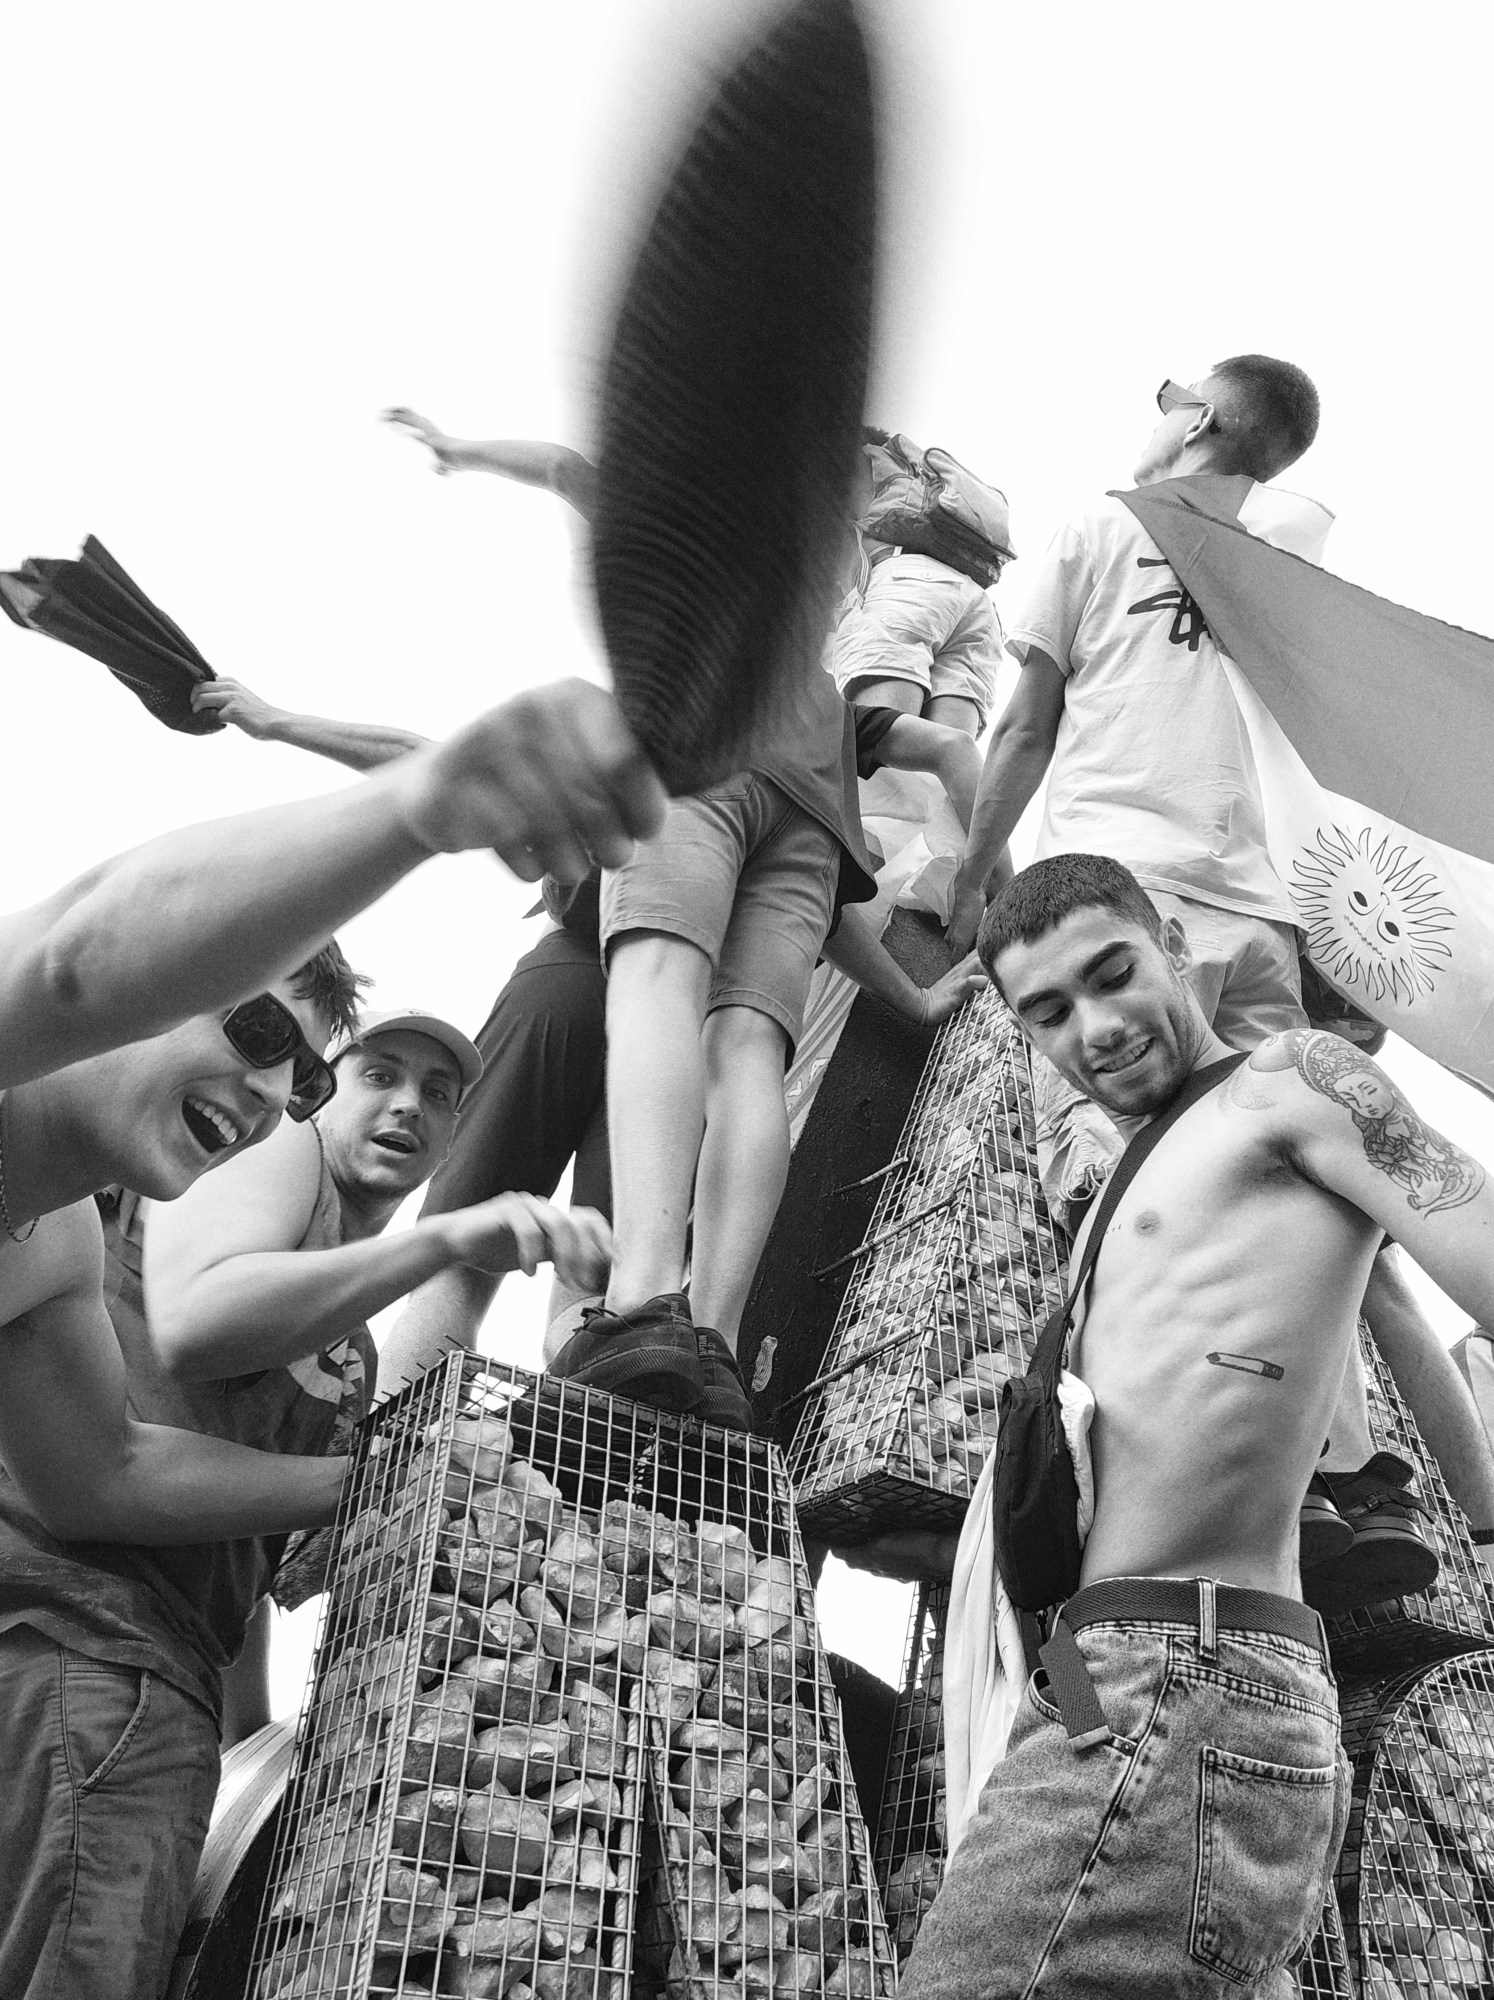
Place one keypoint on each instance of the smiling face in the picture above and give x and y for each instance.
(391, 1123)
(1108, 1006)
(161, 1112)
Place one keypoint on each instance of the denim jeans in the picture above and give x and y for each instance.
(1190, 1854)
(108, 1781)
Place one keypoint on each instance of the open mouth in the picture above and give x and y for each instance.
(1122, 1063)
(396, 1142)
(213, 1129)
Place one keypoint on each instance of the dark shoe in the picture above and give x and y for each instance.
(1322, 1531)
(725, 1401)
(647, 1354)
(1389, 1556)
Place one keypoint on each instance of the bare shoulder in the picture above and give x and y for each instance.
(1342, 1103)
(61, 1259)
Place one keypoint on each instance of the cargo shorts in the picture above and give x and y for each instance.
(747, 876)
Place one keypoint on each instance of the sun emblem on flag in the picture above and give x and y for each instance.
(1372, 914)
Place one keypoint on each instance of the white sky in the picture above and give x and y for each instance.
(236, 235)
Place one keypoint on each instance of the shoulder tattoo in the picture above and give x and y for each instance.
(1432, 1172)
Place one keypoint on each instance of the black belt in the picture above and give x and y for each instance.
(1207, 1607)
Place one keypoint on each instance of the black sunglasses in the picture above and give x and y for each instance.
(266, 1033)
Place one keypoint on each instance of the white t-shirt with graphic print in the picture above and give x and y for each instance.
(1152, 765)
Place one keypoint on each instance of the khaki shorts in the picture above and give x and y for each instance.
(919, 621)
(749, 878)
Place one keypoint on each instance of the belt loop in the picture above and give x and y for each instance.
(1208, 1619)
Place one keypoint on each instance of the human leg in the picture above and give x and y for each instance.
(656, 1004)
(743, 1162)
(954, 711)
(246, 1684)
(109, 1778)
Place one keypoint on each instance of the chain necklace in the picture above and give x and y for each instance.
(15, 1235)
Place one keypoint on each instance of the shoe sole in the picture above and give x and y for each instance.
(653, 1375)
(1321, 1536)
(1384, 1563)
(727, 1413)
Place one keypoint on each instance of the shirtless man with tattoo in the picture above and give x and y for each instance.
(1172, 1799)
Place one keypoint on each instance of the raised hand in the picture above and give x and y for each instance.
(555, 780)
(233, 703)
(441, 446)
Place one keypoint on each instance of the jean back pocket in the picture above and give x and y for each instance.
(1264, 1831)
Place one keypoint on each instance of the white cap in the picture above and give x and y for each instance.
(411, 1021)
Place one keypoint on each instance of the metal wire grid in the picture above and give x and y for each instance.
(757, 1875)
(466, 1796)
(960, 1269)
(1456, 1612)
(910, 1835)
(1416, 1876)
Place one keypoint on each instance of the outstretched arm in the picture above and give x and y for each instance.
(362, 746)
(227, 1292)
(1020, 753)
(92, 1474)
(857, 951)
(553, 780)
(555, 467)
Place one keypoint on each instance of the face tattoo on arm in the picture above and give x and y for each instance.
(1434, 1173)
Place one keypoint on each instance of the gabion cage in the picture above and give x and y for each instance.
(526, 1573)
(910, 1835)
(1416, 1877)
(757, 1876)
(958, 1274)
(1456, 1611)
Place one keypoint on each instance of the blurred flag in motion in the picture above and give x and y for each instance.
(1372, 728)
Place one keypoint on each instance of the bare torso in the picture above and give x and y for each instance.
(1220, 1316)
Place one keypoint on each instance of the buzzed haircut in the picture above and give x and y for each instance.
(1272, 412)
(1038, 900)
(332, 987)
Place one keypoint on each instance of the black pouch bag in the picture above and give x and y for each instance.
(1034, 1491)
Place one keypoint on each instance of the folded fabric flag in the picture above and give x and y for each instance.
(95, 607)
(1371, 726)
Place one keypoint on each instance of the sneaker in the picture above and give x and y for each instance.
(647, 1354)
(1389, 1556)
(1322, 1531)
(725, 1401)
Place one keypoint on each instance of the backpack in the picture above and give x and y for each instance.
(928, 503)
(1034, 1490)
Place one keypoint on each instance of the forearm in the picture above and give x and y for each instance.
(232, 904)
(1013, 771)
(857, 951)
(265, 1309)
(169, 1486)
(361, 746)
(555, 467)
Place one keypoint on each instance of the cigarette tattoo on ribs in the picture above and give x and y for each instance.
(1432, 1171)
(1247, 1364)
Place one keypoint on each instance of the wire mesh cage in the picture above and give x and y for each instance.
(757, 1875)
(910, 1834)
(1456, 1611)
(524, 1571)
(960, 1268)
(1416, 1876)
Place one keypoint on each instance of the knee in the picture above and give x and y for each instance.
(741, 1039)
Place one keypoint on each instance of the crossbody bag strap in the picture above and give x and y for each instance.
(1122, 1174)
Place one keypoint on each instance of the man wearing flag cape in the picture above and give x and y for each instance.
(1207, 704)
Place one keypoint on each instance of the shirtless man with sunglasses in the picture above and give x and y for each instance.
(115, 1070)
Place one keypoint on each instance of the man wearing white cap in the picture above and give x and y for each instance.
(260, 1293)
